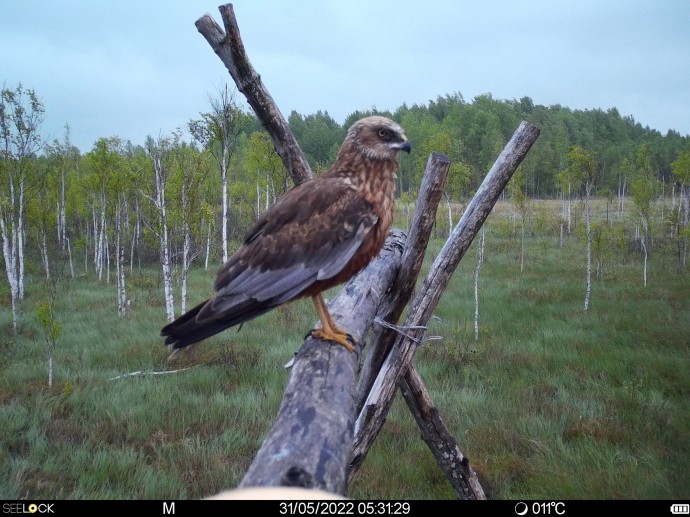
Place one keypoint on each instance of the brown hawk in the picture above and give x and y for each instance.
(319, 234)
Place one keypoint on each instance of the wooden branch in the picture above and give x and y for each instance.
(310, 443)
(142, 373)
(381, 396)
(392, 305)
(230, 49)
(445, 449)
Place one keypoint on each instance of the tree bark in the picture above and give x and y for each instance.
(454, 464)
(230, 49)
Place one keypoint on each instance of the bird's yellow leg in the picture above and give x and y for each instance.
(329, 331)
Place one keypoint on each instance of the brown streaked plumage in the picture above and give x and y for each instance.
(318, 235)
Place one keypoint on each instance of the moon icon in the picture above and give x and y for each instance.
(521, 508)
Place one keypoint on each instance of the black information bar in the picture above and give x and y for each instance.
(345, 507)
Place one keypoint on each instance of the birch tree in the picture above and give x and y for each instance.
(104, 165)
(123, 188)
(583, 169)
(219, 131)
(442, 141)
(190, 170)
(159, 152)
(21, 114)
(565, 183)
(643, 190)
(272, 178)
(66, 159)
(518, 197)
(477, 266)
(681, 169)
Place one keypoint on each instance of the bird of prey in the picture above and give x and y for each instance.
(319, 234)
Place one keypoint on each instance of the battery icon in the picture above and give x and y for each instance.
(680, 509)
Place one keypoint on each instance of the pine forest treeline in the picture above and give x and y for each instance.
(176, 200)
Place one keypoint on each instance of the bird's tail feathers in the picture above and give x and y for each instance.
(189, 328)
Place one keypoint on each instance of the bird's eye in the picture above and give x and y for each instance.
(383, 133)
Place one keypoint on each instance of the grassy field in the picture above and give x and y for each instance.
(551, 402)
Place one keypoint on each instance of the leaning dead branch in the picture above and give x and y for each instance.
(230, 49)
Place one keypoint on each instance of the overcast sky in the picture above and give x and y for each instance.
(135, 68)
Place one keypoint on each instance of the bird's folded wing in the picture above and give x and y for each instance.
(309, 235)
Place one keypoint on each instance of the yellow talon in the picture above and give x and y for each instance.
(329, 331)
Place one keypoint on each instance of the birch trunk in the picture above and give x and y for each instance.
(224, 218)
(477, 267)
(208, 248)
(120, 261)
(21, 240)
(522, 243)
(62, 216)
(69, 255)
(450, 212)
(186, 245)
(9, 252)
(588, 222)
(165, 255)
(643, 241)
(569, 213)
(44, 252)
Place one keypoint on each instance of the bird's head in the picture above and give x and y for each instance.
(379, 138)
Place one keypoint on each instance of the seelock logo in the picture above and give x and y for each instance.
(24, 508)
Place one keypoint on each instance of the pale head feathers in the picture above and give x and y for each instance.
(379, 138)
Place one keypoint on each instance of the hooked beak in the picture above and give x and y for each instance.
(405, 145)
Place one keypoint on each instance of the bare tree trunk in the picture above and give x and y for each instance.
(208, 247)
(569, 215)
(69, 255)
(226, 207)
(44, 252)
(62, 216)
(522, 243)
(186, 245)
(165, 258)
(477, 267)
(121, 227)
(10, 253)
(588, 218)
(643, 241)
(450, 211)
(107, 259)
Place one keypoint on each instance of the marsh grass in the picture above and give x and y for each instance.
(550, 402)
